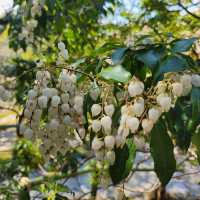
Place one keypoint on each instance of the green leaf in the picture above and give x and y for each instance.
(161, 148)
(172, 63)
(150, 57)
(196, 142)
(116, 73)
(195, 99)
(182, 45)
(118, 55)
(123, 162)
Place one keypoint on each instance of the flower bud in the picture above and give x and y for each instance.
(67, 120)
(164, 101)
(110, 157)
(106, 123)
(186, 89)
(96, 110)
(42, 101)
(196, 80)
(109, 110)
(61, 46)
(53, 125)
(154, 114)
(109, 141)
(94, 93)
(135, 88)
(147, 125)
(97, 144)
(120, 140)
(132, 123)
(78, 100)
(185, 80)
(65, 97)
(138, 107)
(65, 108)
(55, 101)
(32, 94)
(28, 133)
(27, 113)
(177, 89)
(96, 125)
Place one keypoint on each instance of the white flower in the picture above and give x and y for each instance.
(78, 100)
(138, 107)
(120, 140)
(94, 93)
(27, 113)
(110, 157)
(61, 46)
(109, 141)
(53, 125)
(196, 80)
(177, 89)
(124, 109)
(106, 123)
(154, 114)
(28, 133)
(161, 87)
(42, 101)
(67, 120)
(164, 101)
(55, 101)
(109, 110)
(147, 125)
(65, 108)
(96, 110)
(32, 94)
(96, 125)
(185, 80)
(135, 88)
(64, 53)
(65, 97)
(97, 144)
(78, 109)
(37, 114)
(132, 123)
(186, 89)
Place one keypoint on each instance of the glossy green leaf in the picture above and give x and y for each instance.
(116, 73)
(123, 162)
(182, 45)
(118, 55)
(161, 148)
(195, 99)
(150, 57)
(172, 63)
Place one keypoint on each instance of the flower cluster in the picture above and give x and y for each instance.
(54, 114)
(145, 109)
(104, 142)
(4, 94)
(28, 29)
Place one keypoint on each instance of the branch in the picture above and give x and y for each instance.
(185, 8)
(53, 176)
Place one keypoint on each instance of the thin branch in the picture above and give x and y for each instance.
(185, 8)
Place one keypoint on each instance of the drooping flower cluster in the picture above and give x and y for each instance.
(28, 29)
(104, 141)
(145, 109)
(54, 114)
(4, 94)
